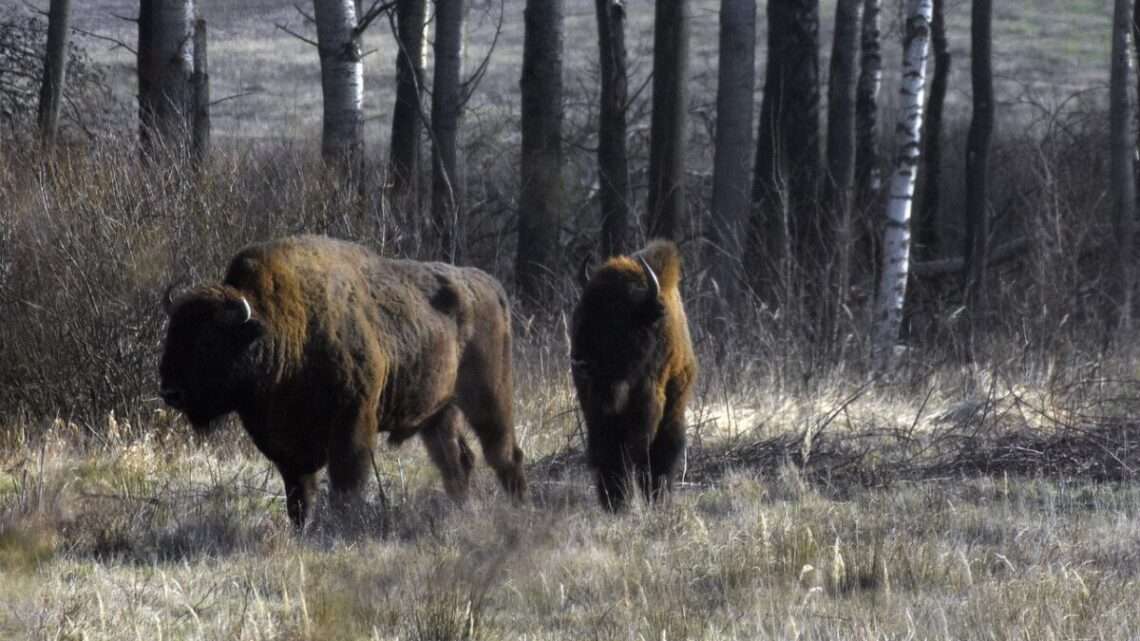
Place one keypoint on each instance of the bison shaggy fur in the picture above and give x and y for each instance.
(320, 344)
(634, 369)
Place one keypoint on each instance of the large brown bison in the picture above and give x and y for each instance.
(319, 344)
(633, 366)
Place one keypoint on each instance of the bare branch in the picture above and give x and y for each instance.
(235, 97)
(119, 44)
(378, 7)
(307, 16)
(296, 35)
(467, 87)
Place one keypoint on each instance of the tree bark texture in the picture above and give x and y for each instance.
(55, 70)
(200, 143)
(736, 83)
(926, 237)
(174, 42)
(1123, 135)
(786, 231)
(147, 70)
(977, 157)
(407, 123)
(540, 203)
(891, 295)
(613, 163)
(665, 211)
(342, 85)
(867, 178)
(446, 110)
(841, 135)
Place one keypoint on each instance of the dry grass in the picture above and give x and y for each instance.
(157, 537)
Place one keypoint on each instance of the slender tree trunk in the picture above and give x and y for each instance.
(201, 81)
(736, 82)
(174, 42)
(342, 85)
(867, 178)
(613, 164)
(927, 236)
(55, 70)
(407, 123)
(1123, 159)
(446, 110)
(841, 138)
(540, 203)
(785, 228)
(666, 207)
(977, 161)
(147, 69)
(891, 295)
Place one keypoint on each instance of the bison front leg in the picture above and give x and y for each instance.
(666, 450)
(448, 450)
(300, 493)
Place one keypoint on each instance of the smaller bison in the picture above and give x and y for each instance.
(633, 366)
(319, 344)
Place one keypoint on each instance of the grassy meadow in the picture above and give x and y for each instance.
(996, 499)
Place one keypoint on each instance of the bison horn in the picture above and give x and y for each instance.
(168, 298)
(238, 311)
(585, 272)
(654, 284)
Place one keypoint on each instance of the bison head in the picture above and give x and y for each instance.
(204, 370)
(613, 333)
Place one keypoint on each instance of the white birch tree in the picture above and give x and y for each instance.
(908, 144)
(174, 42)
(1123, 157)
(342, 83)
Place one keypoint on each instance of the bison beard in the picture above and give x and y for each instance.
(633, 367)
(319, 344)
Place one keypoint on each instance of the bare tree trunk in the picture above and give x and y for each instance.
(927, 236)
(785, 227)
(613, 164)
(867, 178)
(201, 81)
(342, 85)
(736, 83)
(446, 108)
(1123, 158)
(891, 295)
(540, 203)
(174, 42)
(147, 69)
(841, 139)
(404, 154)
(666, 207)
(977, 160)
(55, 70)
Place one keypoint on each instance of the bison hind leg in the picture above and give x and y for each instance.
(448, 450)
(664, 453)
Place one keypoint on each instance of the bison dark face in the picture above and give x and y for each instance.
(205, 360)
(613, 337)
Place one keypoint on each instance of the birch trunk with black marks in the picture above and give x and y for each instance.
(55, 70)
(732, 167)
(977, 161)
(891, 295)
(407, 123)
(665, 210)
(446, 110)
(342, 85)
(613, 162)
(540, 203)
(1123, 186)
(926, 236)
(867, 178)
(841, 140)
